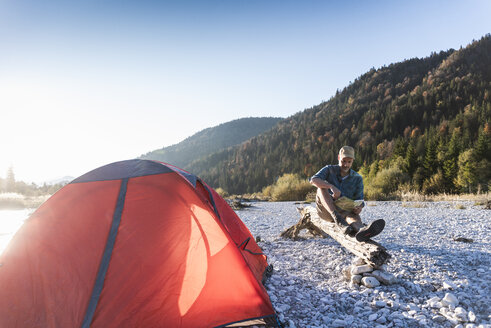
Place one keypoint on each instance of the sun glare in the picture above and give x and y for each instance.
(10, 222)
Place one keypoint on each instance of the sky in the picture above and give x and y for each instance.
(87, 83)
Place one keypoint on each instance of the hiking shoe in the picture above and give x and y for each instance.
(371, 230)
(351, 231)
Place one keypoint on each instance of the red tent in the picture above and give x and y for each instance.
(136, 243)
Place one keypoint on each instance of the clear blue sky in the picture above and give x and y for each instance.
(86, 83)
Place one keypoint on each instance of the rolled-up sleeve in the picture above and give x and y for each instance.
(322, 174)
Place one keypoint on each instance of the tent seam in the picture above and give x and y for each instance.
(106, 257)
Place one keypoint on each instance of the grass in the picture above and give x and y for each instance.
(409, 199)
(248, 197)
(418, 197)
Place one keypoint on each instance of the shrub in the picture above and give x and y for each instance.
(311, 195)
(288, 187)
(385, 183)
(435, 184)
(221, 192)
(466, 178)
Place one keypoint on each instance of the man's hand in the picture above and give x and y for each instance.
(357, 210)
(336, 193)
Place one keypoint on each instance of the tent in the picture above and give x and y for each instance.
(136, 243)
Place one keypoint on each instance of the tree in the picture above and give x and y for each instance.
(10, 181)
(450, 165)
(466, 176)
(483, 146)
(430, 158)
(410, 160)
(483, 172)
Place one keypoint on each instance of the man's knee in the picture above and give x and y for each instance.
(321, 205)
(324, 195)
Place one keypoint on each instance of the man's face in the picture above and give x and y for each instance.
(345, 163)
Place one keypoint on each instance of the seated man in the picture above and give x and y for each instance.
(340, 181)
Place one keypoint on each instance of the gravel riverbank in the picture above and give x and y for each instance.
(440, 256)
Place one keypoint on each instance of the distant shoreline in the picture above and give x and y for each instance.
(15, 201)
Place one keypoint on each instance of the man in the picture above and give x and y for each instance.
(336, 183)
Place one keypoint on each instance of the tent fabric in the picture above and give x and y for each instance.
(135, 243)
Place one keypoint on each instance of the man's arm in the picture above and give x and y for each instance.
(320, 183)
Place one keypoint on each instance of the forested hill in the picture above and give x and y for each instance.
(212, 140)
(422, 123)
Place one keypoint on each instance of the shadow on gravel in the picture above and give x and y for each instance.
(444, 257)
(430, 267)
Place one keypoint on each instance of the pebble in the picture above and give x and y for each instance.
(308, 285)
(450, 300)
(338, 323)
(356, 279)
(370, 282)
(384, 277)
(449, 285)
(472, 316)
(438, 318)
(434, 302)
(361, 269)
(372, 317)
(461, 314)
(283, 307)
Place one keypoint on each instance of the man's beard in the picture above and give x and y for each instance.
(344, 169)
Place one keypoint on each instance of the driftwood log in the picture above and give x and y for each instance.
(372, 252)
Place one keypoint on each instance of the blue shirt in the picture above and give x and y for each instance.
(350, 186)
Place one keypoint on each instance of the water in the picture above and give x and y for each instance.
(10, 222)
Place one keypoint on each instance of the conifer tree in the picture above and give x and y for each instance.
(450, 165)
(430, 158)
(410, 160)
(10, 180)
(483, 146)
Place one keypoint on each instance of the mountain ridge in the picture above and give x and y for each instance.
(212, 139)
(417, 104)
